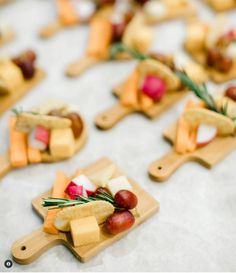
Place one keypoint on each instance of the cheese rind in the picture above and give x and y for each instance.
(119, 183)
(62, 143)
(85, 231)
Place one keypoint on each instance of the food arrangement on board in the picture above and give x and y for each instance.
(100, 204)
(52, 132)
(214, 47)
(87, 213)
(151, 88)
(108, 27)
(205, 131)
(18, 75)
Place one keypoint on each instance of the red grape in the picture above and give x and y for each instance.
(126, 199)
(119, 221)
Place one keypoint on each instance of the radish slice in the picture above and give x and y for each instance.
(154, 87)
(42, 134)
(74, 190)
(82, 180)
(35, 143)
(205, 134)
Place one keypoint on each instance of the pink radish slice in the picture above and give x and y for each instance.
(205, 134)
(34, 143)
(74, 190)
(153, 87)
(42, 134)
(88, 186)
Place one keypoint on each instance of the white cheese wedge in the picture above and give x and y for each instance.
(102, 177)
(85, 231)
(155, 8)
(119, 183)
(84, 8)
(62, 143)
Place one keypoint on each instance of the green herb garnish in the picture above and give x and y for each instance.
(54, 203)
(17, 112)
(120, 48)
(201, 92)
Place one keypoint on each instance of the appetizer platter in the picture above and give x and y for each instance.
(87, 213)
(219, 5)
(213, 47)
(49, 133)
(205, 132)
(18, 75)
(7, 34)
(108, 27)
(151, 88)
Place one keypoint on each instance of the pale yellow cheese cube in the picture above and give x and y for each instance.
(62, 143)
(119, 183)
(85, 231)
(11, 76)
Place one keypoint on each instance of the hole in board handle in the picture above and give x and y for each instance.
(159, 167)
(23, 248)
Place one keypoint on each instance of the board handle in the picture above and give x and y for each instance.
(111, 116)
(30, 247)
(161, 169)
(50, 29)
(5, 165)
(77, 68)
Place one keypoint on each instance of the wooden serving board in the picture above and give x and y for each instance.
(186, 11)
(111, 116)
(7, 101)
(5, 164)
(161, 169)
(215, 75)
(212, 4)
(30, 247)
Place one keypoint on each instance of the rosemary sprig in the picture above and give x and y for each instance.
(54, 203)
(202, 93)
(120, 48)
(17, 112)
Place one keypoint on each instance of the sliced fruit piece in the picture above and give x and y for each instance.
(83, 180)
(154, 87)
(155, 68)
(74, 190)
(205, 134)
(197, 116)
(101, 177)
(100, 209)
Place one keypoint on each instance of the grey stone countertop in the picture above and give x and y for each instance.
(195, 228)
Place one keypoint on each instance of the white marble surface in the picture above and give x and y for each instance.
(195, 228)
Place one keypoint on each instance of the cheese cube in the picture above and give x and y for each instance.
(119, 183)
(10, 76)
(62, 143)
(85, 231)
